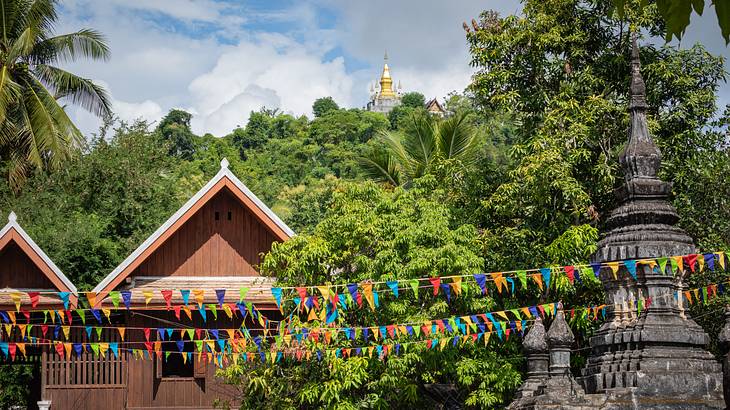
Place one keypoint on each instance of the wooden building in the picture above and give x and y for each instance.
(26, 270)
(214, 242)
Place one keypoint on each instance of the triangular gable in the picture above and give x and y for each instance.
(12, 233)
(224, 179)
(432, 103)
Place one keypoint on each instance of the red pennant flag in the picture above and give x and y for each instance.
(302, 293)
(34, 297)
(59, 349)
(147, 334)
(197, 333)
(436, 283)
(44, 330)
(27, 316)
(391, 330)
(429, 343)
(69, 317)
(167, 295)
(148, 346)
(13, 349)
(177, 311)
(570, 271)
(542, 310)
(690, 260)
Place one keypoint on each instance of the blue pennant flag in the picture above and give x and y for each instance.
(393, 285)
(482, 282)
(545, 272)
(596, 270)
(64, 297)
(180, 345)
(710, 261)
(447, 291)
(214, 332)
(78, 348)
(126, 298)
(203, 314)
(185, 293)
(276, 292)
(631, 267)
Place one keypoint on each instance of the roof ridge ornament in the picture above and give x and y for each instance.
(12, 217)
(224, 163)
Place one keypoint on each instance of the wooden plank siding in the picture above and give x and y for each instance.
(18, 271)
(204, 246)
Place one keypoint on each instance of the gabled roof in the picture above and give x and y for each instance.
(435, 102)
(12, 232)
(223, 179)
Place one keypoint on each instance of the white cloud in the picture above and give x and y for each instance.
(271, 70)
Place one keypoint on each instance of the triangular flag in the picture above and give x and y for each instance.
(631, 267)
(436, 283)
(393, 285)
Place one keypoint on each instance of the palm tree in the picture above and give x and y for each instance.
(427, 141)
(35, 130)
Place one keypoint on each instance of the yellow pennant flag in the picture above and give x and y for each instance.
(107, 313)
(538, 279)
(701, 263)
(21, 347)
(312, 315)
(486, 337)
(199, 295)
(367, 290)
(185, 357)
(103, 347)
(231, 333)
(147, 296)
(614, 269)
(376, 332)
(325, 291)
(67, 347)
(499, 280)
(22, 329)
(121, 332)
(721, 259)
(526, 311)
(16, 299)
(456, 285)
(228, 311)
(679, 262)
(66, 331)
(501, 313)
(91, 297)
(9, 329)
(442, 342)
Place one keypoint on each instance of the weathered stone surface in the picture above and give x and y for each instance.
(536, 350)
(657, 359)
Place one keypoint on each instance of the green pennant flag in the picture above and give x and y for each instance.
(199, 345)
(98, 333)
(639, 306)
(414, 285)
(95, 348)
(45, 316)
(242, 293)
(586, 272)
(704, 294)
(190, 333)
(114, 295)
(213, 310)
(662, 262)
(522, 275)
(465, 288)
(675, 267)
(516, 313)
(417, 330)
(167, 355)
(82, 315)
(249, 307)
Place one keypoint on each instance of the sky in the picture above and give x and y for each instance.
(222, 59)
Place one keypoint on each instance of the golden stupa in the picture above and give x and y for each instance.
(386, 98)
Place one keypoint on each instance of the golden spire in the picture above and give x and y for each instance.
(386, 83)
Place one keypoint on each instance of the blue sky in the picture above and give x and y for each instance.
(220, 59)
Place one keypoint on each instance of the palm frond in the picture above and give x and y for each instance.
(457, 139)
(81, 91)
(41, 15)
(420, 144)
(84, 43)
(381, 166)
(9, 91)
(12, 15)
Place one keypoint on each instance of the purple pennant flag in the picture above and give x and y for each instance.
(710, 261)
(126, 298)
(352, 287)
(482, 282)
(365, 333)
(214, 332)
(180, 345)
(161, 333)
(447, 291)
(596, 270)
(631, 267)
(221, 295)
(447, 326)
(96, 314)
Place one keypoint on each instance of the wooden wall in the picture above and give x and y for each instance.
(148, 391)
(204, 246)
(18, 271)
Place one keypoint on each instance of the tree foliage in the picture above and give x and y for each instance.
(324, 105)
(35, 131)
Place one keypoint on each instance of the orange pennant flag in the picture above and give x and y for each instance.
(91, 297)
(199, 295)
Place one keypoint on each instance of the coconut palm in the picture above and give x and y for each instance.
(403, 157)
(35, 130)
